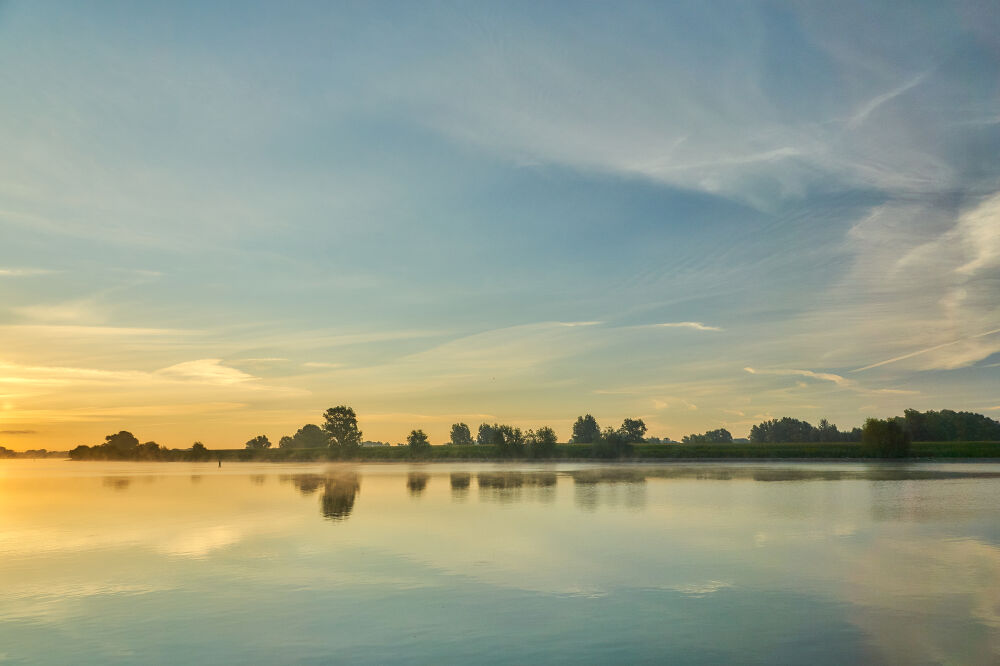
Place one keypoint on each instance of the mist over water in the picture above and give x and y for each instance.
(748, 563)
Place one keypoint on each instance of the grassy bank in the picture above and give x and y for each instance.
(652, 452)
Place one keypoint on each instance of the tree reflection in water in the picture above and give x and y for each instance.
(620, 486)
(117, 482)
(340, 489)
(460, 482)
(416, 482)
(508, 487)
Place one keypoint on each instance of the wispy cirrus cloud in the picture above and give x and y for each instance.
(693, 325)
(824, 376)
(928, 350)
(208, 370)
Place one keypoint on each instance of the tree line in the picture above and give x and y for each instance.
(340, 436)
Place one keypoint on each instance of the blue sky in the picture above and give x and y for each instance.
(217, 221)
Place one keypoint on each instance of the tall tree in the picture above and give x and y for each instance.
(310, 436)
(586, 430)
(885, 438)
(121, 443)
(633, 430)
(342, 425)
(460, 434)
(485, 435)
(417, 439)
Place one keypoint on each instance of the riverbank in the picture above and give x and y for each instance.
(584, 452)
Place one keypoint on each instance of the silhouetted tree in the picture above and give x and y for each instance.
(259, 442)
(121, 444)
(342, 425)
(309, 436)
(720, 436)
(633, 429)
(485, 434)
(586, 430)
(612, 444)
(786, 429)
(885, 438)
(460, 434)
(542, 442)
(508, 440)
(949, 426)
(148, 451)
(417, 440)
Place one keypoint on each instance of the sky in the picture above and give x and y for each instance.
(218, 220)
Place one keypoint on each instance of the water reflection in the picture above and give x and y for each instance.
(836, 563)
(514, 486)
(416, 482)
(306, 484)
(339, 493)
(340, 490)
(460, 482)
(117, 482)
(258, 479)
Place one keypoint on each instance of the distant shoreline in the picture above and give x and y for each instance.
(642, 453)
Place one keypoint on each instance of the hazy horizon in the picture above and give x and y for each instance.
(218, 221)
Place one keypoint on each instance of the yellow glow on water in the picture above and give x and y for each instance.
(903, 560)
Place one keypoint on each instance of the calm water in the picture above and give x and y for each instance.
(782, 563)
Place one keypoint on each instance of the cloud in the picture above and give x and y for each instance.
(877, 101)
(208, 370)
(321, 364)
(18, 432)
(695, 325)
(824, 376)
(920, 352)
(23, 272)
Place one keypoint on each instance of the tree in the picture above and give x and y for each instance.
(948, 425)
(310, 436)
(633, 429)
(485, 435)
(885, 438)
(342, 426)
(612, 444)
(508, 440)
(542, 442)
(827, 431)
(417, 439)
(259, 442)
(720, 436)
(460, 434)
(121, 444)
(148, 451)
(586, 430)
(286, 442)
